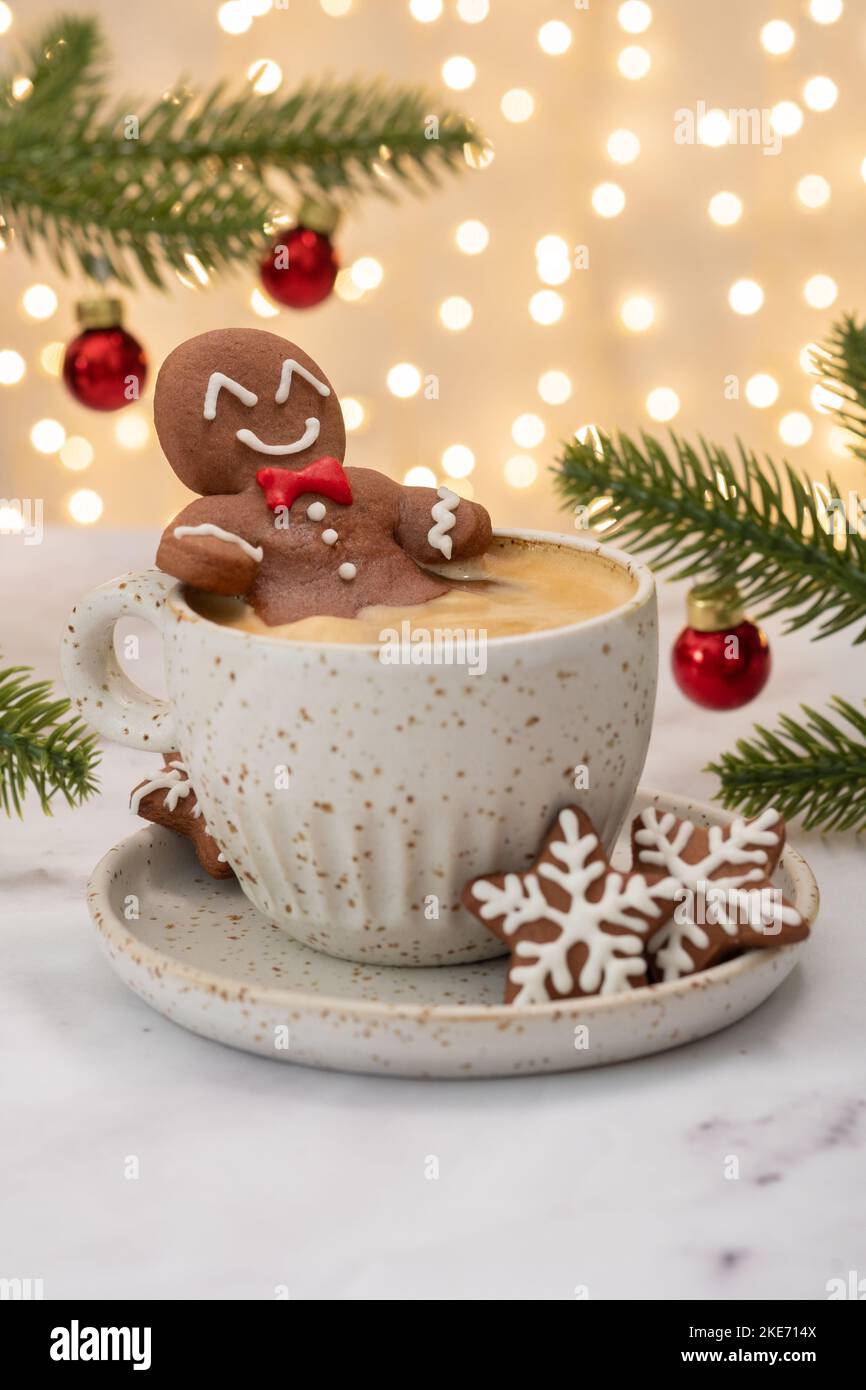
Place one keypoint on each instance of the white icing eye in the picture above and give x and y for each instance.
(290, 368)
(218, 381)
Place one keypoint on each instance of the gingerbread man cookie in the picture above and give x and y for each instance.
(169, 799)
(251, 423)
(575, 926)
(726, 902)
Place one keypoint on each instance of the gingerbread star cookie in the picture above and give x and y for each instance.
(169, 799)
(726, 901)
(575, 925)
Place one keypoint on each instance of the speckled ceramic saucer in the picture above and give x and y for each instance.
(200, 954)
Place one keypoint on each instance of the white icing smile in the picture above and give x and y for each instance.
(310, 435)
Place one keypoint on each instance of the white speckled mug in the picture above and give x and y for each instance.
(354, 799)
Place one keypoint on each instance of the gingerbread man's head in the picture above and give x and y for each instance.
(233, 401)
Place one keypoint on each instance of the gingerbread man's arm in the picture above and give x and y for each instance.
(435, 526)
(195, 549)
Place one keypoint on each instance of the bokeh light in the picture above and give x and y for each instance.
(404, 380)
(745, 297)
(725, 209)
(85, 506)
(662, 403)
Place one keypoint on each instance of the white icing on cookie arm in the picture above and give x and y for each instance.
(208, 528)
(438, 526)
(216, 558)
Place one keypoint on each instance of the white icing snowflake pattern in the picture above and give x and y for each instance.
(743, 843)
(612, 958)
(173, 780)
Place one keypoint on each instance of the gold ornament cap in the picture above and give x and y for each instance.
(714, 608)
(103, 312)
(318, 216)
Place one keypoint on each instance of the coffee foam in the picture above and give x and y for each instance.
(517, 587)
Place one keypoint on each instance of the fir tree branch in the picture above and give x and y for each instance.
(703, 516)
(194, 177)
(841, 364)
(39, 748)
(816, 769)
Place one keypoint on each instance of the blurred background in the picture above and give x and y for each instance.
(612, 261)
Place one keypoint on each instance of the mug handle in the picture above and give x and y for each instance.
(100, 688)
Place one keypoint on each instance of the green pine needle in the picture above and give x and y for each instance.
(40, 749)
(816, 769)
(841, 364)
(196, 180)
(700, 515)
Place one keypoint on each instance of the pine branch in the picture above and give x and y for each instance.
(194, 177)
(841, 364)
(39, 748)
(702, 515)
(816, 769)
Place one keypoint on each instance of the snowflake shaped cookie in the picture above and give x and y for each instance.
(575, 925)
(726, 901)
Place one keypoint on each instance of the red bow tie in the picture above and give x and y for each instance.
(326, 476)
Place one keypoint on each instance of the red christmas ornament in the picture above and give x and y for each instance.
(300, 268)
(104, 368)
(721, 660)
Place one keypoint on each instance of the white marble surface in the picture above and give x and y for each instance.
(256, 1175)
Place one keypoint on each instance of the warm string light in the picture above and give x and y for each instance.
(473, 11)
(820, 93)
(472, 237)
(234, 17)
(366, 273)
(795, 429)
(48, 436)
(777, 37)
(762, 390)
(12, 367)
(608, 199)
(634, 62)
(132, 429)
(39, 301)
(520, 471)
(262, 305)
(662, 403)
(546, 307)
(51, 358)
(634, 16)
(419, 476)
(354, 414)
(786, 118)
(76, 453)
(455, 313)
(637, 313)
(458, 73)
(820, 291)
(725, 209)
(825, 11)
(425, 11)
(265, 76)
(554, 37)
(527, 431)
(813, 191)
(714, 128)
(458, 461)
(745, 297)
(85, 506)
(623, 146)
(5, 18)
(404, 380)
(517, 105)
(554, 387)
